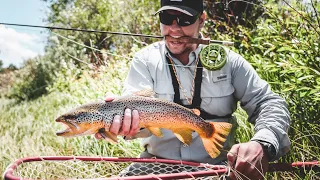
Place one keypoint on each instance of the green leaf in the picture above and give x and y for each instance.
(285, 48)
(305, 77)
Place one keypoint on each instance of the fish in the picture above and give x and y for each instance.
(154, 113)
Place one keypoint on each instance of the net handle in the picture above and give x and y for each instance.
(280, 167)
(216, 169)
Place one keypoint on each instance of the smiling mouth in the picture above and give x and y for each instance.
(177, 39)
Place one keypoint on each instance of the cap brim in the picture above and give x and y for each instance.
(183, 9)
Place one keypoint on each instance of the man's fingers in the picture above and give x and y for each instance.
(126, 124)
(134, 123)
(233, 154)
(232, 158)
(246, 161)
(116, 124)
(109, 98)
(129, 126)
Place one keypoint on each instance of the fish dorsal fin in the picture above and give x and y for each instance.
(145, 93)
(196, 111)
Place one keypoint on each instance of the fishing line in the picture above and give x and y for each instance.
(112, 54)
(301, 16)
(186, 39)
(83, 30)
(91, 47)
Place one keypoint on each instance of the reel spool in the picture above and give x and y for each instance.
(213, 57)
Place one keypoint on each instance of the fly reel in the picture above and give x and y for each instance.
(213, 57)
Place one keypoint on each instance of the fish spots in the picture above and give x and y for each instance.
(154, 114)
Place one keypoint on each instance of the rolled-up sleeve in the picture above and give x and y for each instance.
(265, 109)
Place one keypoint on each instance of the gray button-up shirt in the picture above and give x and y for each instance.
(221, 90)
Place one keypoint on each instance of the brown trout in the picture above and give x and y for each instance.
(154, 114)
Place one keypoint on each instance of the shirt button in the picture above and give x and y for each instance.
(185, 91)
(184, 145)
(183, 69)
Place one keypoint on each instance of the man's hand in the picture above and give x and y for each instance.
(128, 127)
(247, 161)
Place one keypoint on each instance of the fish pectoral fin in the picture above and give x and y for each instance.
(109, 136)
(184, 135)
(143, 133)
(145, 93)
(214, 143)
(155, 131)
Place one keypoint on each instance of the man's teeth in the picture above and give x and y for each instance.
(176, 36)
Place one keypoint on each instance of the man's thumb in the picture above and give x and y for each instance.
(109, 97)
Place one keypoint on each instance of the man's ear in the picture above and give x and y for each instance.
(202, 19)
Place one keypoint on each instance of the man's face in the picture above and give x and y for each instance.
(177, 31)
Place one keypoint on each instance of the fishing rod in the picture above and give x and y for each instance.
(181, 39)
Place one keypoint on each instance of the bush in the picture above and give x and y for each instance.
(31, 81)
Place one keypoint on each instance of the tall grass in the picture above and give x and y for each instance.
(28, 128)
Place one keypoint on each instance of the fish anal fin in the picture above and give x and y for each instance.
(184, 135)
(214, 142)
(109, 136)
(155, 131)
(145, 93)
(196, 111)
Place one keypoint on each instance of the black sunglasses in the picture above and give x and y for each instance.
(182, 19)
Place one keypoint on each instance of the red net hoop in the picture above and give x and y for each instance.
(84, 167)
(145, 168)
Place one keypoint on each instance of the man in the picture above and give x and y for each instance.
(170, 68)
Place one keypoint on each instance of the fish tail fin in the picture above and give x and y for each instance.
(214, 142)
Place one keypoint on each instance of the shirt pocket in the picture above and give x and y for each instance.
(217, 94)
(218, 85)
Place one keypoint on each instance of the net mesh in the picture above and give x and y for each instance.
(78, 169)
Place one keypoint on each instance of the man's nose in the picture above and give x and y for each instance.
(175, 25)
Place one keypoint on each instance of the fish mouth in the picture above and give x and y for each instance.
(63, 132)
(69, 127)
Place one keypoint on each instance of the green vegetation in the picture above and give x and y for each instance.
(1, 64)
(280, 41)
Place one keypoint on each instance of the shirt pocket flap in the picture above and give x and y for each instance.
(217, 86)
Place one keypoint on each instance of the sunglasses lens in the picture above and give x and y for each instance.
(182, 19)
(185, 20)
(166, 18)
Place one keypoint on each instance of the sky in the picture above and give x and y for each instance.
(18, 44)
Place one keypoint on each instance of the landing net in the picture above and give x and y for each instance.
(82, 167)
